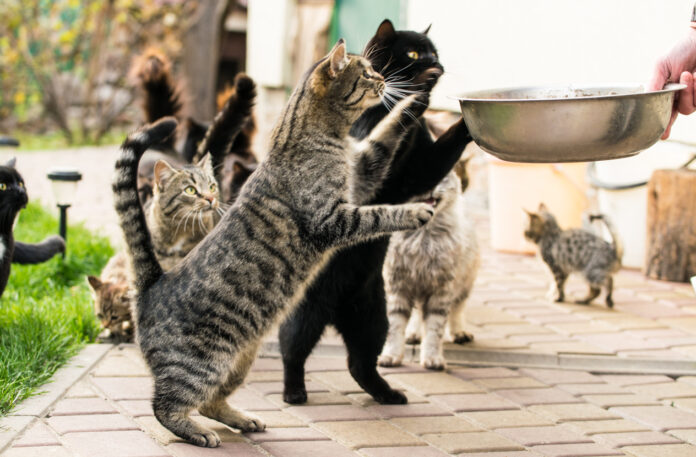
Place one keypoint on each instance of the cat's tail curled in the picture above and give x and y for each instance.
(229, 121)
(25, 253)
(161, 97)
(146, 268)
(618, 245)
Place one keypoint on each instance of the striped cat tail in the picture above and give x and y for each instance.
(130, 213)
(231, 119)
(618, 245)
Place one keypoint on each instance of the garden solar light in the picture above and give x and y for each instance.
(64, 183)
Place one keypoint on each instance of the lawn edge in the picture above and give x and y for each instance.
(14, 424)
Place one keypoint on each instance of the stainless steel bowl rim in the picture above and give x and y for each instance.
(671, 87)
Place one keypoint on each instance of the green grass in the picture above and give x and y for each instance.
(56, 140)
(46, 312)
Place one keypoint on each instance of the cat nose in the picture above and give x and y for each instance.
(209, 198)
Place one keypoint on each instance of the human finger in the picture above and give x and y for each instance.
(660, 76)
(668, 130)
(685, 103)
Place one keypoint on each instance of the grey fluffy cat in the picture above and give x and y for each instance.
(428, 275)
(199, 325)
(576, 250)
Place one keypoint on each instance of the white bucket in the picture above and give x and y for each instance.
(628, 208)
(514, 187)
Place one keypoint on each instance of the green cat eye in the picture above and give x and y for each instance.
(412, 55)
(213, 187)
(190, 190)
(3, 186)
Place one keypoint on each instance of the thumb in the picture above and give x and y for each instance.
(660, 76)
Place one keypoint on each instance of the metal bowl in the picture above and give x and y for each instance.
(567, 124)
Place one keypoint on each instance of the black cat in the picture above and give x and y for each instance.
(349, 293)
(13, 197)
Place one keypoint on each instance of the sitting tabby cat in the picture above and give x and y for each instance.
(349, 293)
(576, 250)
(113, 298)
(13, 198)
(429, 272)
(199, 325)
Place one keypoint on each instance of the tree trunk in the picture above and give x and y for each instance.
(200, 59)
(671, 234)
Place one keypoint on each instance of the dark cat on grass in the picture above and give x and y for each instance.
(349, 293)
(576, 250)
(13, 198)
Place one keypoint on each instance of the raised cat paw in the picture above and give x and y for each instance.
(462, 338)
(206, 439)
(391, 397)
(434, 363)
(251, 424)
(419, 105)
(386, 360)
(423, 212)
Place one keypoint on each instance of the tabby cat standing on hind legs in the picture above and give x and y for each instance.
(199, 325)
(576, 250)
(349, 293)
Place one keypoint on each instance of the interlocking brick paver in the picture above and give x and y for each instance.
(359, 434)
(658, 354)
(164, 436)
(580, 328)
(264, 376)
(575, 450)
(517, 329)
(90, 423)
(121, 365)
(569, 347)
(410, 451)
(325, 364)
(415, 410)
(501, 454)
(473, 402)
(607, 426)
(634, 439)
(503, 419)
(113, 444)
(689, 404)
(494, 342)
(527, 397)
(287, 434)
(137, 408)
(455, 443)
(573, 412)
(38, 434)
(276, 387)
(364, 399)
(627, 322)
(434, 383)
(440, 424)
(279, 419)
(341, 381)
(608, 401)
(249, 400)
(224, 450)
(483, 373)
(37, 451)
(685, 435)
(620, 342)
(313, 398)
(305, 449)
(70, 406)
(625, 380)
(533, 436)
(520, 382)
(82, 389)
(664, 450)
(660, 418)
(267, 364)
(593, 389)
(131, 388)
(553, 377)
(666, 390)
(331, 413)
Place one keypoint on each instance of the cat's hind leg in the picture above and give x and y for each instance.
(610, 290)
(414, 327)
(559, 277)
(435, 313)
(398, 311)
(596, 278)
(456, 324)
(217, 407)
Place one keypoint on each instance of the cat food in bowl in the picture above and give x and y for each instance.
(567, 124)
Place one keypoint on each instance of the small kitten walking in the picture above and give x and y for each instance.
(576, 250)
(431, 271)
(199, 325)
(114, 296)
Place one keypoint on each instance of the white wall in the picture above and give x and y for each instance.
(499, 43)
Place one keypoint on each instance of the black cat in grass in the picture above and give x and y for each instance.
(13, 198)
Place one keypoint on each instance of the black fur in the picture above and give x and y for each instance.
(13, 197)
(349, 293)
(26, 254)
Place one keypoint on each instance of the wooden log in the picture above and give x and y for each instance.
(671, 225)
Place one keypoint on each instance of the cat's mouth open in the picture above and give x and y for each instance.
(432, 201)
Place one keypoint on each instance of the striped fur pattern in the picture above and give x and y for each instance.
(199, 325)
(428, 275)
(575, 250)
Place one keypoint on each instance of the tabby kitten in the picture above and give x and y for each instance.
(349, 293)
(13, 198)
(199, 325)
(576, 250)
(113, 297)
(430, 272)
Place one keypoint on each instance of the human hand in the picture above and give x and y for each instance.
(677, 66)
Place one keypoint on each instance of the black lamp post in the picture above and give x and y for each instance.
(64, 184)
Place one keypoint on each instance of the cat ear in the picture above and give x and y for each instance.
(427, 29)
(206, 163)
(94, 282)
(385, 31)
(529, 213)
(542, 207)
(337, 58)
(11, 163)
(163, 171)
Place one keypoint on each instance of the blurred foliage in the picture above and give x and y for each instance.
(68, 60)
